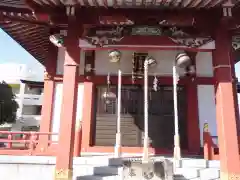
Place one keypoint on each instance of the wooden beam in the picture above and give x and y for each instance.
(146, 16)
(91, 16)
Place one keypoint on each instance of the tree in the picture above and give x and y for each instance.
(8, 104)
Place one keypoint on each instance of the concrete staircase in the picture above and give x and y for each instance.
(197, 169)
(107, 168)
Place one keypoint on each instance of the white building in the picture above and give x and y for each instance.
(27, 84)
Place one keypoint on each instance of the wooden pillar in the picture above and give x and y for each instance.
(193, 119)
(69, 102)
(48, 95)
(225, 106)
(194, 142)
(87, 115)
(235, 81)
(77, 138)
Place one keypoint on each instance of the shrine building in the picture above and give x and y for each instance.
(76, 41)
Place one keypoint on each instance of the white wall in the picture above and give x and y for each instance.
(60, 61)
(204, 66)
(164, 58)
(58, 103)
(164, 62)
(207, 109)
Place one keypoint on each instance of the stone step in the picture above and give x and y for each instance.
(91, 160)
(192, 173)
(108, 170)
(192, 169)
(183, 178)
(181, 173)
(98, 177)
(98, 161)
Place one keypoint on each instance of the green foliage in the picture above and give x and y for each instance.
(8, 104)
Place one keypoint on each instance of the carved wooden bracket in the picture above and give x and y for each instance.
(47, 76)
(191, 42)
(105, 35)
(236, 42)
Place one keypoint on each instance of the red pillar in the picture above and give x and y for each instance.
(87, 115)
(194, 142)
(226, 106)
(48, 95)
(193, 119)
(78, 138)
(69, 102)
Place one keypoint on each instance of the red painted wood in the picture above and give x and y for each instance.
(194, 138)
(193, 127)
(28, 142)
(127, 79)
(225, 105)
(48, 96)
(87, 115)
(193, 118)
(146, 43)
(69, 101)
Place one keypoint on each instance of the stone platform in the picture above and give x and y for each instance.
(98, 168)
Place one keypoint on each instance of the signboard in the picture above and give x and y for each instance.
(121, 31)
(146, 31)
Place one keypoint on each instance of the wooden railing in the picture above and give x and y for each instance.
(26, 143)
(210, 149)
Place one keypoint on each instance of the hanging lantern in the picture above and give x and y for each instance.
(183, 60)
(115, 56)
(108, 95)
(191, 69)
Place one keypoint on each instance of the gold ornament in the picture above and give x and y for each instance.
(63, 174)
(47, 75)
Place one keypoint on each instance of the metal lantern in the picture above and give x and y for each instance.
(191, 69)
(183, 60)
(56, 39)
(115, 56)
(109, 97)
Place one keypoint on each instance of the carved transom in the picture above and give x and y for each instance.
(192, 42)
(236, 42)
(102, 36)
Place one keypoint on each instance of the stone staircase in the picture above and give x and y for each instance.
(107, 168)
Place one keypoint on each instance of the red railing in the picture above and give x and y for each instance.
(27, 143)
(210, 149)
